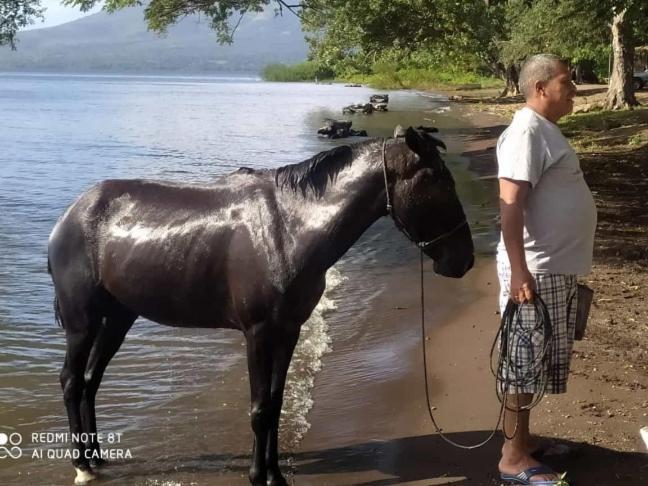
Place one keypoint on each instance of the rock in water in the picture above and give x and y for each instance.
(339, 129)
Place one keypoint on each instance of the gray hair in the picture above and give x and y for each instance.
(541, 67)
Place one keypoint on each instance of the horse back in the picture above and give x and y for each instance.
(185, 255)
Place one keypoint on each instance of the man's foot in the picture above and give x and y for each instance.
(525, 477)
(521, 470)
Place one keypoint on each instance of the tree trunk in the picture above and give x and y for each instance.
(579, 74)
(620, 90)
(511, 76)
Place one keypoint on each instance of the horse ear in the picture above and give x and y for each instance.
(399, 131)
(437, 142)
(414, 140)
(425, 145)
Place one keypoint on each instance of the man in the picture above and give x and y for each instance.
(548, 220)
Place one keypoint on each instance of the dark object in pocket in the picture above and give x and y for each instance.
(583, 304)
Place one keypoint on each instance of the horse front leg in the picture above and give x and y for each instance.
(285, 341)
(259, 355)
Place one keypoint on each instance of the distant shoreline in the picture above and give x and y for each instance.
(152, 74)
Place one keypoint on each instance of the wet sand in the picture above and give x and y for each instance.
(377, 430)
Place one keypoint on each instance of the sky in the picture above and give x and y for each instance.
(58, 14)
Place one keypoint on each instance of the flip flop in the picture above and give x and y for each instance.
(525, 476)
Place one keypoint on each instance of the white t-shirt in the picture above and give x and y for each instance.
(560, 214)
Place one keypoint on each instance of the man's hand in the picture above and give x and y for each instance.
(523, 287)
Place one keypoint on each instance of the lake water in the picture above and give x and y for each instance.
(170, 389)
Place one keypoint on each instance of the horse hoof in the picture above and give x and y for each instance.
(276, 481)
(83, 476)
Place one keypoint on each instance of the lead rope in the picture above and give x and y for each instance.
(427, 387)
(384, 166)
(507, 318)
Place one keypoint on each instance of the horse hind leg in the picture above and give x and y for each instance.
(81, 326)
(109, 338)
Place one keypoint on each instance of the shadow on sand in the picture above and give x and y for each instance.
(422, 460)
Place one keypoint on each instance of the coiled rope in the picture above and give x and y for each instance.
(509, 374)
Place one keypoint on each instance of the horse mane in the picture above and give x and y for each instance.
(316, 173)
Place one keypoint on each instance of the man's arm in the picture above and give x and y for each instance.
(513, 196)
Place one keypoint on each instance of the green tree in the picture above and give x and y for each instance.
(159, 14)
(578, 30)
(629, 19)
(16, 14)
(358, 35)
(562, 27)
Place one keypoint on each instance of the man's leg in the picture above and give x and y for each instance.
(516, 451)
(516, 456)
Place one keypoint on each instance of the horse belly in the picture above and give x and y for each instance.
(171, 291)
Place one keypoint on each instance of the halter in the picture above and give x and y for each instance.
(398, 222)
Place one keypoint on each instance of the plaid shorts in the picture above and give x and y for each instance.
(559, 293)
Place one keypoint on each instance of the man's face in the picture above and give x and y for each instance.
(558, 93)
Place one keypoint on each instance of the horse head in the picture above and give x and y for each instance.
(425, 205)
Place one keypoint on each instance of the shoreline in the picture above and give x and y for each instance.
(380, 433)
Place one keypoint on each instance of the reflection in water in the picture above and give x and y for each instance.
(170, 388)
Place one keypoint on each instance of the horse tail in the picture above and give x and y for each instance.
(57, 313)
(57, 307)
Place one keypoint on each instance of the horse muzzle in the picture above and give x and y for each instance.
(454, 268)
(453, 256)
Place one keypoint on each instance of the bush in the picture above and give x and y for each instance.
(417, 78)
(304, 71)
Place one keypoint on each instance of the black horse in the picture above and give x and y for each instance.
(249, 251)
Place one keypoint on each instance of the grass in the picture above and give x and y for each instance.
(304, 71)
(638, 140)
(607, 131)
(604, 120)
(386, 78)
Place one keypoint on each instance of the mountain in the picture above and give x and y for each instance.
(121, 43)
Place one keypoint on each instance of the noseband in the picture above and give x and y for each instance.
(398, 222)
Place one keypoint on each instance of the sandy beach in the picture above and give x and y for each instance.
(370, 425)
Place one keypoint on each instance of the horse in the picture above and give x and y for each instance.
(247, 251)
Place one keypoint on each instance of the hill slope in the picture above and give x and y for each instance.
(120, 42)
